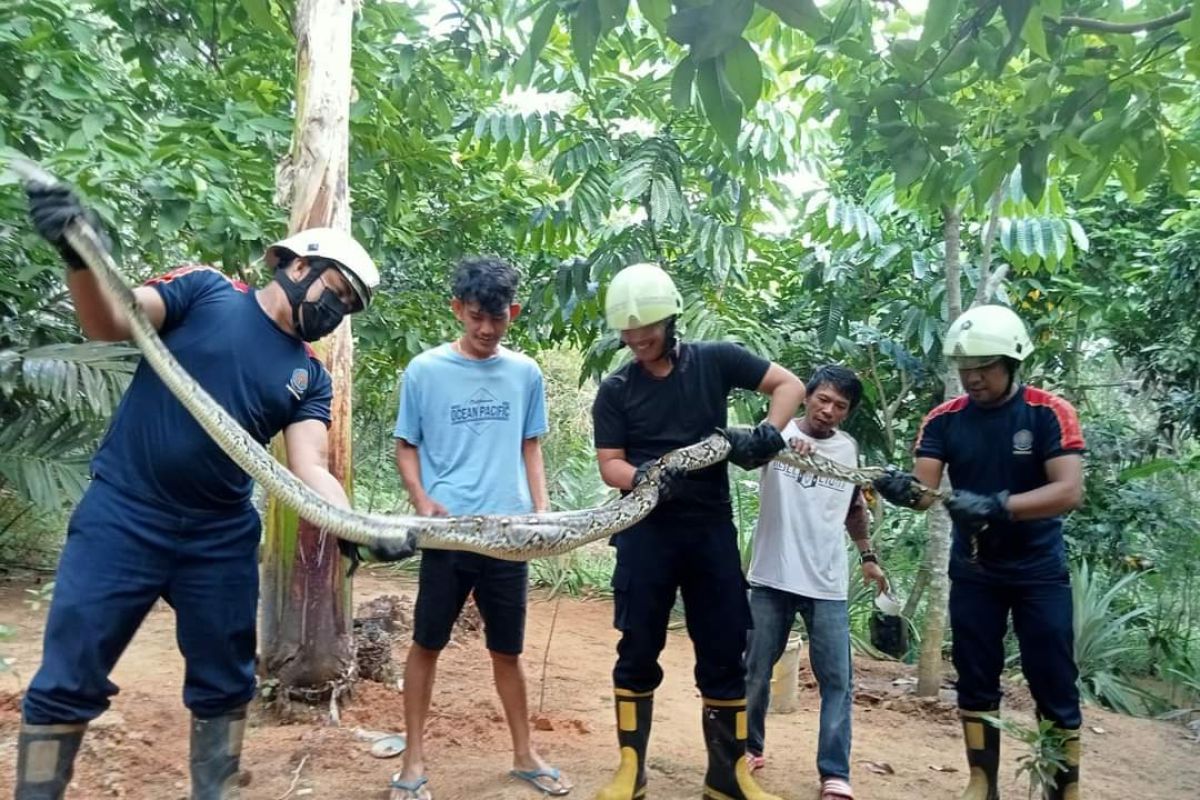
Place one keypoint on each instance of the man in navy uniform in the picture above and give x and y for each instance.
(168, 514)
(1015, 458)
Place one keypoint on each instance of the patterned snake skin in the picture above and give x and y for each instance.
(515, 538)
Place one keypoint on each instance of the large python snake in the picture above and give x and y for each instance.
(513, 537)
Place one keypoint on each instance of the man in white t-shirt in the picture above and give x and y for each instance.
(799, 565)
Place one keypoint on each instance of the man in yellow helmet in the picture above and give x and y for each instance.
(673, 394)
(1015, 459)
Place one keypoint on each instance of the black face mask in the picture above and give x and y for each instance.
(313, 319)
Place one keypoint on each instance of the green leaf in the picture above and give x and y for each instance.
(681, 83)
(260, 14)
(174, 213)
(585, 33)
(612, 14)
(1015, 13)
(1033, 170)
(1153, 156)
(910, 166)
(939, 16)
(712, 29)
(1194, 23)
(743, 71)
(1035, 35)
(523, 71)
(720, 103)
(656, 13)
(1149, 468)
(801, 14)
(1180, 171)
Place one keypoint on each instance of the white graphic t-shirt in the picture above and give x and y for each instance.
(800, 540)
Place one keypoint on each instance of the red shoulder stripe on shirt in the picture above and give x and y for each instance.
(188, 269)
(948, 407)
(1064, 412)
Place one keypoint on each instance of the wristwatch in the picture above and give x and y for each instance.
(867, 557)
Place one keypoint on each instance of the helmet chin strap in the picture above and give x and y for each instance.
(671, 340)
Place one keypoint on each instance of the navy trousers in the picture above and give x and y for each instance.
(1042, 620)
(655, 560)
(121, 555)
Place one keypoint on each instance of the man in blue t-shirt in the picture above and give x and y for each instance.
(168, 514)
(1015, 459)
(467, 442)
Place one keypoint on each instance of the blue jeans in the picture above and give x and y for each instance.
(828, 626)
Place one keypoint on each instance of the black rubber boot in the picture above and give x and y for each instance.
(1066, 781)
(216, 754)
(635, 712)
(728, 776)
(983, 754)
(46, 759)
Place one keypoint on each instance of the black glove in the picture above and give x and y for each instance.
(750, 449)
(972, 512)
(668, 478)
(898, 487)
(387, 550)
(393, 550)
(350, 550)
(52, 208)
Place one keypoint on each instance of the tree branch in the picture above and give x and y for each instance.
(1104, 26)
(952, 270)
(986, 286)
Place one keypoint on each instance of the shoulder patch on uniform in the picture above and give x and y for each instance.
(298, 384)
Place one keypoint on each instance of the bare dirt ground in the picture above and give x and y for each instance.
(139, 748)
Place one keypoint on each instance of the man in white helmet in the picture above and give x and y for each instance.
(168, 514)
(673, 394)
(1015, 459)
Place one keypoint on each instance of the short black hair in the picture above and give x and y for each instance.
(841, 379)
(487, 280)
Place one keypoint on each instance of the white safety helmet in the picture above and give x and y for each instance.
(351, 258)
(985, 334)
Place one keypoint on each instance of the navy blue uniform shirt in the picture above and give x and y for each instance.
(1004, 449)
(265, 378)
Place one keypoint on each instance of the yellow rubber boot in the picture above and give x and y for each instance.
(728, 776)
(46, 759)
(1066, 781)
(635, 711)
(983, 754)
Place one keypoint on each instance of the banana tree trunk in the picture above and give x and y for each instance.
(306, 628)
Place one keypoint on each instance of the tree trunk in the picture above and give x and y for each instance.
(306, 599)
(937, 544)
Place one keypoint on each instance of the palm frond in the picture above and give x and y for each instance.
(85, 377)
(45, 459)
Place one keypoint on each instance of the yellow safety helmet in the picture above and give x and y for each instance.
(985, 334)
(640, 295)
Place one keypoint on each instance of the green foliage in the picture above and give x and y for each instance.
(1103, 640)
(1047, 753)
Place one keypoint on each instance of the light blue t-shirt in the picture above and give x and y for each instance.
(468, 420)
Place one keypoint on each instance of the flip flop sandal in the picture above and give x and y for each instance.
(415, 788)
(755, 763)
(532, 776)
(389, 746)
(836, 789)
